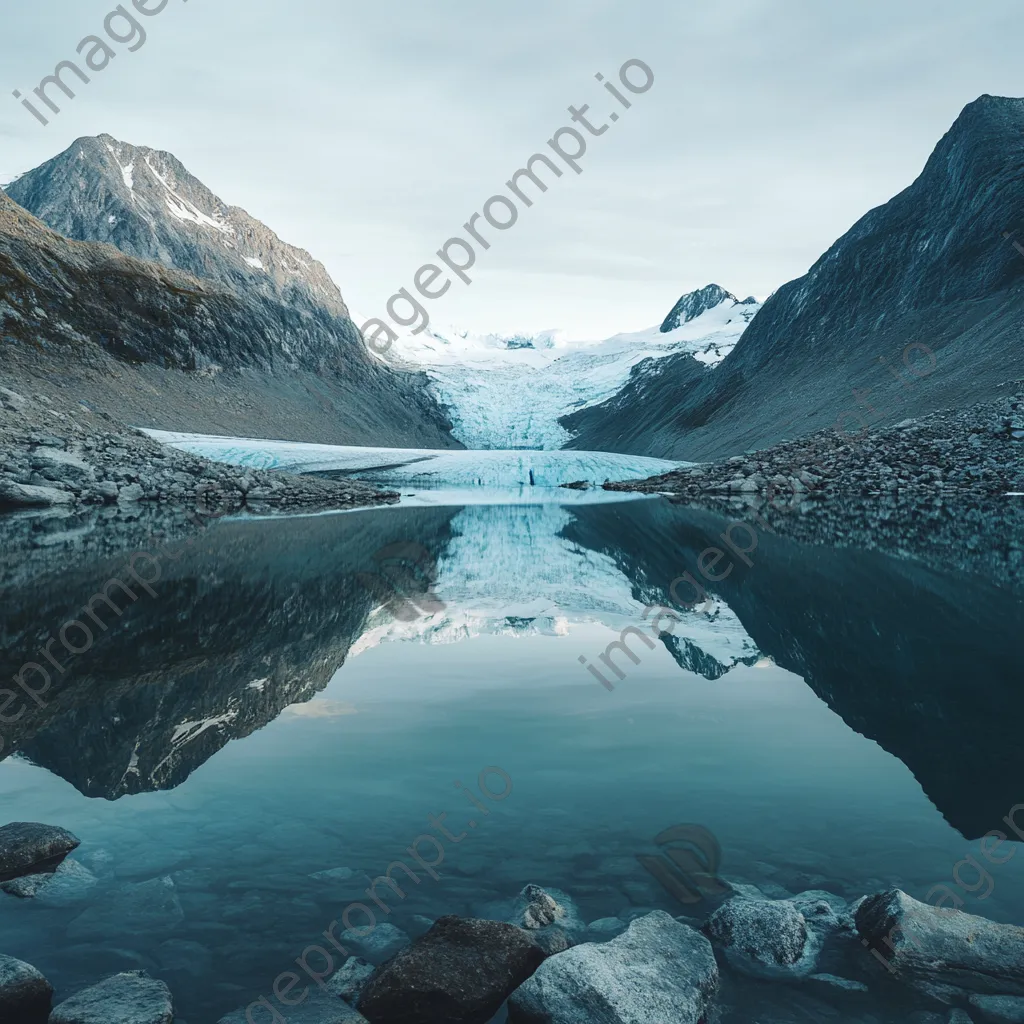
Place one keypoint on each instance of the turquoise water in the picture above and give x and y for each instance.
(294, 726)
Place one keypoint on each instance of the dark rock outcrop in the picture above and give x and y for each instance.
(657, 970)
(129, 998)
(931, 271)
(25, 995)
(460, 972)
(28, 847)
(693, 304)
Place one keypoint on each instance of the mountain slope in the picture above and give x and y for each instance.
(203, 337)
(929, 268)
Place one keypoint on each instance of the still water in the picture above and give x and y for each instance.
(240, 753)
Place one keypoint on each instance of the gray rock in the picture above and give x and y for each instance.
(55, 464)
(832, 985)
(105, 490)
(658, 970)
(349, 980)
(130, 493)
(25, 995)
(134, 909)
(460, 972)
(761, 937)
(316, 1008)
(129, 998)
(28, 847)
(15, 495)
(998, 1009)
(11, 400)
(942, 946)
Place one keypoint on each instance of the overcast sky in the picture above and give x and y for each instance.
(368, 133)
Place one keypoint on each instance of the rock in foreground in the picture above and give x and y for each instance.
(460, 972)
(129, 998)
(25, 995)
(657, 971)
(942, 946)
(28, 847)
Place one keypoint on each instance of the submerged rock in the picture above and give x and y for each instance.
(25, 995)
(460, 972)
(129, 998)
(316, 1008)
(658, 970)
(942, 947)
(998, 1009)
(349, 980)
(28, 848)
(68, 884)
(141, 908)
(382, 943)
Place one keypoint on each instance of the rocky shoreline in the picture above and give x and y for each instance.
(539, 961)
(975, 453)
(54, 457)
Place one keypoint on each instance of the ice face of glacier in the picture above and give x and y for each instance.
(509, 392)
(424, 468)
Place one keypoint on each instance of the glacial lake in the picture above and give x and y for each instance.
(241, 752)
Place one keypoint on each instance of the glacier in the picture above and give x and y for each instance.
(506, 392)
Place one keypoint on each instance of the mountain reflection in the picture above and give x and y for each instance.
(918, 654)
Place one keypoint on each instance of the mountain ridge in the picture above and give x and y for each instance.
(929, 267)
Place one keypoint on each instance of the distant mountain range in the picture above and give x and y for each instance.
(932, 268)
(206, 314)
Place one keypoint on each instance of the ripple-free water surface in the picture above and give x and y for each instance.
(295, 723)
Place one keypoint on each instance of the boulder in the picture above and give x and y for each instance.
(129, 998)
(349, 980)
(55, 464)
(316, 1008)
(657, 970)
(940, 946)
(29, 848)
(15, 495)
(998, 1009)
(460, 972)
(25, 995)
(759, 936)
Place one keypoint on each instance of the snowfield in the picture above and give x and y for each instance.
(509, 392)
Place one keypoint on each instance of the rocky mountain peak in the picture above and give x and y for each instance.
(693, 304)
(147, 204)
